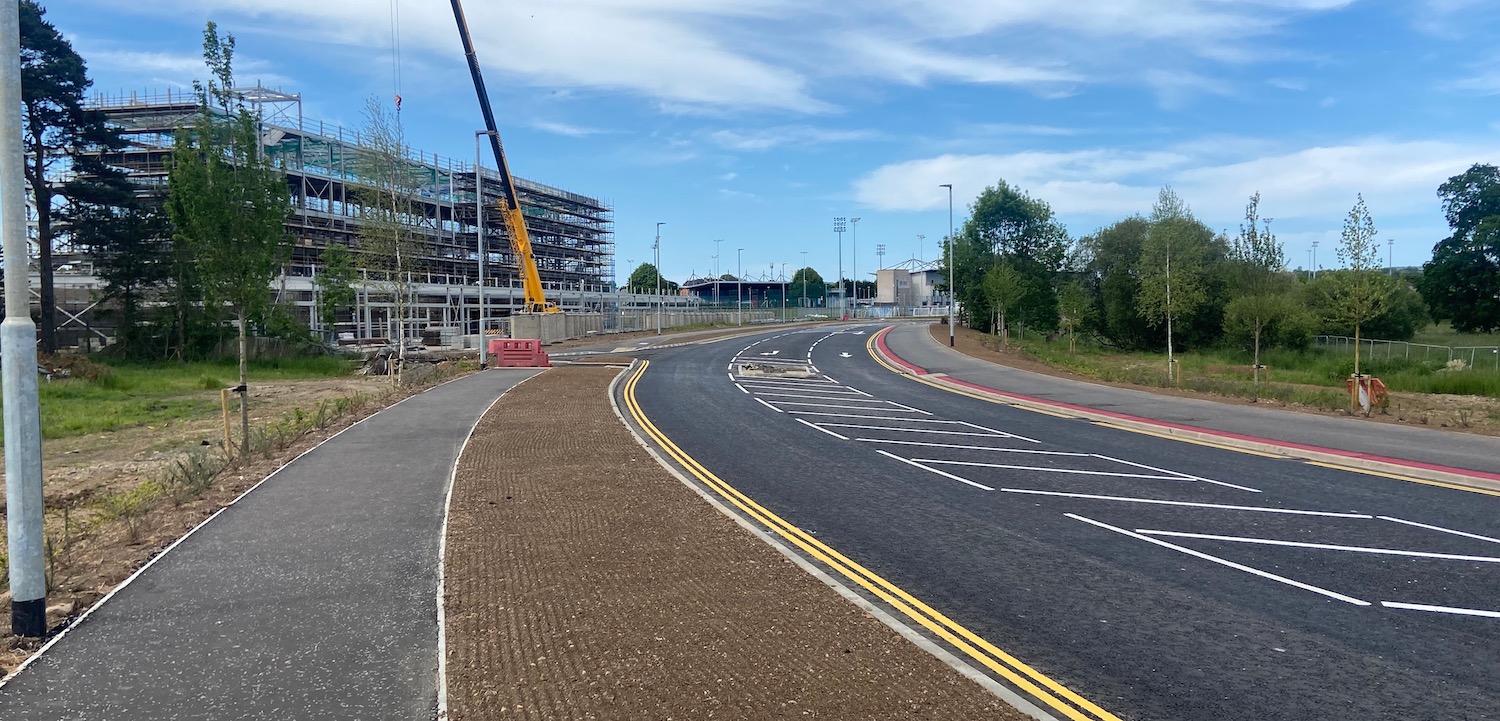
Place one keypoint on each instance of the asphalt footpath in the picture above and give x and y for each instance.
(913, 344)
(312, 597)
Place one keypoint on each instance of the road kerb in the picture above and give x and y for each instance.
(1456, 478)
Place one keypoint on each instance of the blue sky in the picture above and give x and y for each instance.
(758, 121)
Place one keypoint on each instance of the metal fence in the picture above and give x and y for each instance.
(1376, 348)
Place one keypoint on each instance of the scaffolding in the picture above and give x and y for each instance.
(571, 234)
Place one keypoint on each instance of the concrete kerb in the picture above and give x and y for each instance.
(1477, 480)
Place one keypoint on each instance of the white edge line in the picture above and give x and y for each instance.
(907, 632)
(442, 562)
(1441, 609)
(944, 474)
(742, 388)
(152, 561)
(1440, 529)
(1321, 546)
(815, 426)
(1223, 562)
(1190, 504)
(768, 405)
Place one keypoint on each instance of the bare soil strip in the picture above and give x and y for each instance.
(584, 581)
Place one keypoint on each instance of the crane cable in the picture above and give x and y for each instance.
(396, 50)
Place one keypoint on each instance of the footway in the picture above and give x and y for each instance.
(312, 597)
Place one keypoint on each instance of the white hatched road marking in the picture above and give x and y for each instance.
(1441, 609)
(1076, 471)
(1176, 473)
(969, 448)
(903, 419)
(849, 408)
(1223, 562)
(768, 405)
(1321, 546)
(825, 430)
(1440, 529)
(923, 430)
(1189, 504)
(819, 398)
(944, 474)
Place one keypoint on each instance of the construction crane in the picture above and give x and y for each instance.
(510, 201)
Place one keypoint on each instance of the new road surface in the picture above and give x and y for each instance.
(1099, 572)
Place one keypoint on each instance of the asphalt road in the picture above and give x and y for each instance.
(313, 597)
(1156, 578)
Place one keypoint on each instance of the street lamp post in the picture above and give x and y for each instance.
(659, 301)
(739, 285)
(879, 266)
(838, 227)
(783, 292)
(479, 237)
(921, 247)
(854, 259)
(952, 288)
(718, 301)
(1391, 258)
(1315, 259)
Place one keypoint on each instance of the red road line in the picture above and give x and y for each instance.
(886, 351)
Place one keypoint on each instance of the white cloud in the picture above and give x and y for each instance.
(1294, 84)
(1396, 177)
(566, 129)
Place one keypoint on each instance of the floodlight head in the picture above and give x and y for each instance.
(838, 224)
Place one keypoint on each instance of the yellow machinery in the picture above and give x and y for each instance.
(510, 201)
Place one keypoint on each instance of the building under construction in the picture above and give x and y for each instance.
(571, 234)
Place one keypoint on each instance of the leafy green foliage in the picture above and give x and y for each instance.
(1004, 288)
(335, 283)
(1360, 294)
(1008, 226)
(1462, 281)
(644, 280)
(807, 284)
(1181, 270)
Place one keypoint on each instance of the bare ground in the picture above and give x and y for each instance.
(584, 581)
(92, 551)
(1468, 414)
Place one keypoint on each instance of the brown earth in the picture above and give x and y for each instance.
(1468, 414)
(93, 552)
(584, 581)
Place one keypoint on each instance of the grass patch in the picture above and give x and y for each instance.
(139, 394)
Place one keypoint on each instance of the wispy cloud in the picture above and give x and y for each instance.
(795, 135)
(566, 129)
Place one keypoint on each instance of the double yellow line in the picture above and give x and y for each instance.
(1023, 677)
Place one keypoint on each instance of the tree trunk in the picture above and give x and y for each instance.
(41, 192)
(1354, 397)
(1257, 361)
(244, 388)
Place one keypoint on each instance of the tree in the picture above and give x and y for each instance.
(1008, 226)
(1073, 306)
(644, 279)
(388, 198)
(1259, 266)
(128, 238)
(1109, 260)
(1462, 281)
(1004, 287)
(1176, 267)
(54, 123)
(805, 284)
(1360, 294)
(227, 204)
(335, 283)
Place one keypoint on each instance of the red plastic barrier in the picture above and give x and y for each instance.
(518, 353)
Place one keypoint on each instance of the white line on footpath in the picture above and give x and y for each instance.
(1188, 504)
(1321, 546)
(1441, 609)
(944, 474)
(1440, 529)
(1221, 561)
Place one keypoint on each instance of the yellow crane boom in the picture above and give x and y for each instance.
(510, 201)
